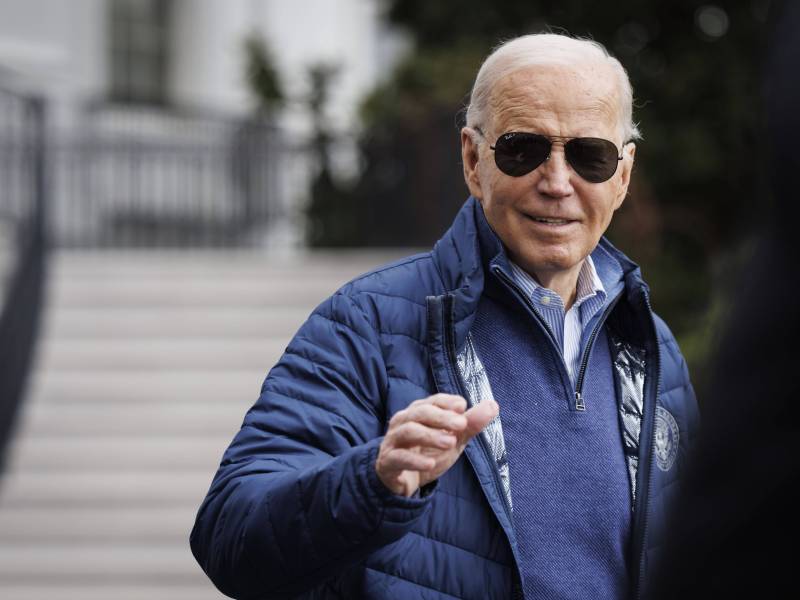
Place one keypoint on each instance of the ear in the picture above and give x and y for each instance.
(628, 153)
(471, 159)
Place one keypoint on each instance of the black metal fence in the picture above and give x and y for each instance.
(133, 177)
(23, 199)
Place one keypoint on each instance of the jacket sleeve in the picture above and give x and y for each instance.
(296, 498)
(677, 385)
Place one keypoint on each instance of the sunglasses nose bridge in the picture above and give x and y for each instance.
(560, 148)
(556, 173)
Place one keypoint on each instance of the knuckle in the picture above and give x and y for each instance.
(403, 431)
(397, 418)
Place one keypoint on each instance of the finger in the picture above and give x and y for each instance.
(403, 459)
(449, 402)
(478, 417)
(416, 434)
(445, 401)
(433, 416)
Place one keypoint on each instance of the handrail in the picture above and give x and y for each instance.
(23, 198)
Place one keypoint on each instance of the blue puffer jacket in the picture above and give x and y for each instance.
(296, 509)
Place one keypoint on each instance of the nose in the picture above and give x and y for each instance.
(555, 179)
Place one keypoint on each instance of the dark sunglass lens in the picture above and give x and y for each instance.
(594, 159)
(517, 154)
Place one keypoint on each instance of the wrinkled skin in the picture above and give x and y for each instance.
(562, 101)
(426, 439)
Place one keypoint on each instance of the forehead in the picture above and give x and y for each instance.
(557, 100)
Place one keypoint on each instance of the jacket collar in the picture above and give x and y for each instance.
(467, 251)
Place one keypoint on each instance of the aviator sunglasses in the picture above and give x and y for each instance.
(517, 153)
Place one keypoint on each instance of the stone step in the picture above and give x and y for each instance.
(234, 386)
(194, 292)
(165, 454)
(116, 418)
(219, 262)
(70, 590)
(115, 562)
(175, 321)
(188, 270)
(215, 354)
(26, 488)
(84, 524)
(148, 363)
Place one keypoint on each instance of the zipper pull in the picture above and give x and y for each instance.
(579, 403)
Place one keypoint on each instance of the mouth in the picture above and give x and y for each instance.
(552, 221)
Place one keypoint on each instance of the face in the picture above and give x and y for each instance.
(553, 101)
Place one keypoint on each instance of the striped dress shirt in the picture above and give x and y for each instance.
(567, 328)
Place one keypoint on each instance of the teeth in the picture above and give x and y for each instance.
(551, 221)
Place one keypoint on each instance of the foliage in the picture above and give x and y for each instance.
(332, 217)
(262, 75)
(695, 71)
(697, 95)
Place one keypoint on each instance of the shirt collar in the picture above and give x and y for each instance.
(589, 283)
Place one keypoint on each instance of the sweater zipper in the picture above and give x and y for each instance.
(580, 404)
(646, 466)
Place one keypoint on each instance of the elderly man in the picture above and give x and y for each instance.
(501, 417)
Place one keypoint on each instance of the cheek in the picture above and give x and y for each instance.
(601, 219)
(602, 204)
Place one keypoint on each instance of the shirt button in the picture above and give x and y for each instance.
(546, 300)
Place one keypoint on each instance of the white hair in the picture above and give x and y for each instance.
(545, 49)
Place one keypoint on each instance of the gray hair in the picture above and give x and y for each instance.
(547, 49)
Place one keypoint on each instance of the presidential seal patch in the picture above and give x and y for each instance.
(667, 438)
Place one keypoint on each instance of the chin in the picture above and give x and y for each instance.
(550, 261)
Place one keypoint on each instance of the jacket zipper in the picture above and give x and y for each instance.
(648, 488)
(452, 363)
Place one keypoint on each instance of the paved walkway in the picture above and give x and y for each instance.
(147, 365)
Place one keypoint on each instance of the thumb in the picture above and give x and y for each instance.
(478, 417)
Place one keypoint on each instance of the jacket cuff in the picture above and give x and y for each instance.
(397, 508)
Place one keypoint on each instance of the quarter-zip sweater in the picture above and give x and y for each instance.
(569, 482)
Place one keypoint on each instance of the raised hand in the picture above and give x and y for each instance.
(426, 439)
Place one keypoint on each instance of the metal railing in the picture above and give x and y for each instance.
(134, 177)
(23, 247)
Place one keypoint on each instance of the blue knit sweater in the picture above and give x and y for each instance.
(569, 482)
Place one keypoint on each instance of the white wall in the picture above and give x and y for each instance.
(206, 54)
(61, 48)
(54, 48)
(209, 62)
(346, 33)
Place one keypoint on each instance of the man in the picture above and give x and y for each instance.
(375, 465)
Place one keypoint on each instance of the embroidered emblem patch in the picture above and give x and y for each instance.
(667, 438)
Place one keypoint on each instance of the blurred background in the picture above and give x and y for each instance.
(182, 181)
